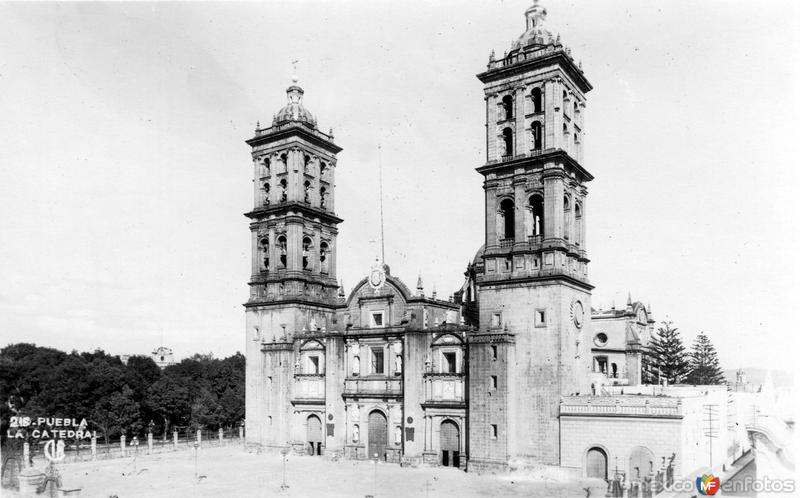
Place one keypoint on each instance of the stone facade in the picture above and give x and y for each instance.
(620, 338)
(499, 377)
(533, 294)
(641, 430)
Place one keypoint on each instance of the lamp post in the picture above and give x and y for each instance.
(284, 452)
(150, 436)
(196, 445)
(135, 444)
(375, 478)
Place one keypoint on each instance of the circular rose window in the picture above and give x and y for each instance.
(601, 339)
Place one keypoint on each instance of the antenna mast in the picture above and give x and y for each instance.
(380, 189)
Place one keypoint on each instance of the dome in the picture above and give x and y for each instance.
(478, 259)
(294, 110)
(536, 33)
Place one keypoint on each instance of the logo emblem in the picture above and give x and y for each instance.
(707, 484)
(54, 450)
(377, 276)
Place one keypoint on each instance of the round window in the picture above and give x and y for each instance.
(601, 339)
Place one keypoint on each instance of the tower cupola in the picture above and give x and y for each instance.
(294, 110)
(535, 32)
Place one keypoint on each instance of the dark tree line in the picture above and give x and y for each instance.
(665, 359)
(117, 398)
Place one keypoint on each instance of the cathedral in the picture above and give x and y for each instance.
(476, 381)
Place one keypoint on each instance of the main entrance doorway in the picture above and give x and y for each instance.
(314, 435)
(450, 444)
(596, 463)
(377, 435)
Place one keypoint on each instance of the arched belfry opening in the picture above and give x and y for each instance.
(307, 243)
(537, 215)
(508, 107)
(507, 219)
(508, 142)
(536, 135)
(536, 96)
(264, 246)
(282, 252)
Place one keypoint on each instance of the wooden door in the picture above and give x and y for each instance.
(449, 443)
(314, 435)
(377, 435)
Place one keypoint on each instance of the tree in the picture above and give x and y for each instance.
(665, 357)
(704, 366)
(170, 400)
(117, 414)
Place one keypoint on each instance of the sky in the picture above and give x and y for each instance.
(124, 174)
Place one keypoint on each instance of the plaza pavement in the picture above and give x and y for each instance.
(229, 471)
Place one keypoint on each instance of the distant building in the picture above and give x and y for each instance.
(620, 336)
(163, 357)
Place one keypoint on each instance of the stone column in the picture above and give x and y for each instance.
(175, 439)
(221, 434)
(94, 446)
(520, 203)
(122, 444)
(521, 146)
(149, 442)
(199, 436)
(26, 454)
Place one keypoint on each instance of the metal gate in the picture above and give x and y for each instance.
(377, 435)
(596, 463)
(314, 435)
(450, 443)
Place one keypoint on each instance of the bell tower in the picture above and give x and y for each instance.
(293, 288)
(534, 293)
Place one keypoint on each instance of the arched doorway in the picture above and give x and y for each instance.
(314, 435)
(597, 463)
(641, 462)
(377, 435)
(450, 444)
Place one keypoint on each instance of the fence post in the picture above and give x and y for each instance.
(122, 444)
(26, 455)
(199, 437)
(241, 432)
(94, 446)
(175, 439)
(149, 442)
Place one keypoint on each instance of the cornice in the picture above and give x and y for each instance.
(551, 155)
(282, 210)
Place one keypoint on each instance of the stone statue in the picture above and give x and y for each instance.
(356, 434)
(356, 365)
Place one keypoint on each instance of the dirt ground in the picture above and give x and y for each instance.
(229, 471)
